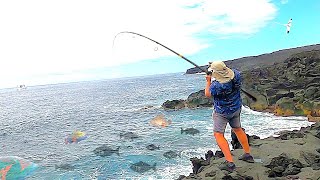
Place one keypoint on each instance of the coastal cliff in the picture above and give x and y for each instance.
(289, 87)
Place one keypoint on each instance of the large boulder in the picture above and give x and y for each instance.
(194, 100)
(174, 104)
(198, 99)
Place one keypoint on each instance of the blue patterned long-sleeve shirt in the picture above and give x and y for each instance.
(226, 96)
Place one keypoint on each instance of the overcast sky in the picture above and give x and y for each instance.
(72, 40)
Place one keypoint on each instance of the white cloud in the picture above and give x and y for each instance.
(284, 1)
(238, 17)
(40, 37)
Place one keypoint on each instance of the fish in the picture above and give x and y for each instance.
(171, 154)
(13, 167)
(152, 147)
(67, 167)
(160, 121)
(142, 167)
(191, 131)
(105, 150)
(75, 137)
(128, 135)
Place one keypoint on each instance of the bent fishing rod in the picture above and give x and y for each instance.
(202, 69)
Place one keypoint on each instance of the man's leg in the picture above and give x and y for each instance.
(242, 137)
(224, 146)
(220, 123)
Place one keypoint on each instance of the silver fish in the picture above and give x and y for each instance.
(105, 150)
(142, 167)
(191, 131)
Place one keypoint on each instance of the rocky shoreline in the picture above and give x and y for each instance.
(287, 88)
(291, 155)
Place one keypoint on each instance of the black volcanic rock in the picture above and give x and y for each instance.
(284, 83)
(194, 100)
(174, 104)
(198, 99)
(289, 90)
(282, 166)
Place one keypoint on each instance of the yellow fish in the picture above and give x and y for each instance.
(160, 121)
(75, 137)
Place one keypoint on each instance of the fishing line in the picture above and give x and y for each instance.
(202, 69)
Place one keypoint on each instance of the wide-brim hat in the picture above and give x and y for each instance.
(221, 72)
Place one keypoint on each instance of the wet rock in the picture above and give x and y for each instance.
(197, 164)
(209, 155)
(198, 99)
(219, 154)
(174, 104)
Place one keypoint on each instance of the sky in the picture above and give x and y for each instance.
(49, 42)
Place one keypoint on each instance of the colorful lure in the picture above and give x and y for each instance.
(75, 137)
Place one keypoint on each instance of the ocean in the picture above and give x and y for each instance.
(36, 120)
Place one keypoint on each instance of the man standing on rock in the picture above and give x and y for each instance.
(225, 90)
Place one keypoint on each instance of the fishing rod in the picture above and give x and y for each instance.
(202, 69)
